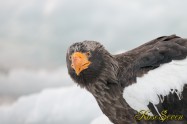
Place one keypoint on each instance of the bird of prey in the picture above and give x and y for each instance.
(151, 78)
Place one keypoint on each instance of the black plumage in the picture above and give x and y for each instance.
(108, 75)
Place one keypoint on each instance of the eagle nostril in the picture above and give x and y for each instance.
(85, 64)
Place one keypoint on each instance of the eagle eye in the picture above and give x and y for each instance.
(88, 54)
(70, 57)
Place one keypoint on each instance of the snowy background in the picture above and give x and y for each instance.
(34, 36)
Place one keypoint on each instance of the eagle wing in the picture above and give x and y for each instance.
(154, 75)
(156, 52)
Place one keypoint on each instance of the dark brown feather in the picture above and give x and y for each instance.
(137, 62)
(119, 71)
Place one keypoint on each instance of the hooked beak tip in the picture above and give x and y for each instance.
(80, 62)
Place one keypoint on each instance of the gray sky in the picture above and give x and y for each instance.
(35, 34)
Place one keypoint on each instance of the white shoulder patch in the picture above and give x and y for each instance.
(159, 81)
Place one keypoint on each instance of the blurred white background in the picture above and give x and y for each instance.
(34, 36)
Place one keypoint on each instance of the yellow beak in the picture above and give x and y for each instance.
(80, 62)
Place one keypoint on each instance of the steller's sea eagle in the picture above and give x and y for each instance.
(146, 85)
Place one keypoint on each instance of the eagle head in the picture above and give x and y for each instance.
(88, 61)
